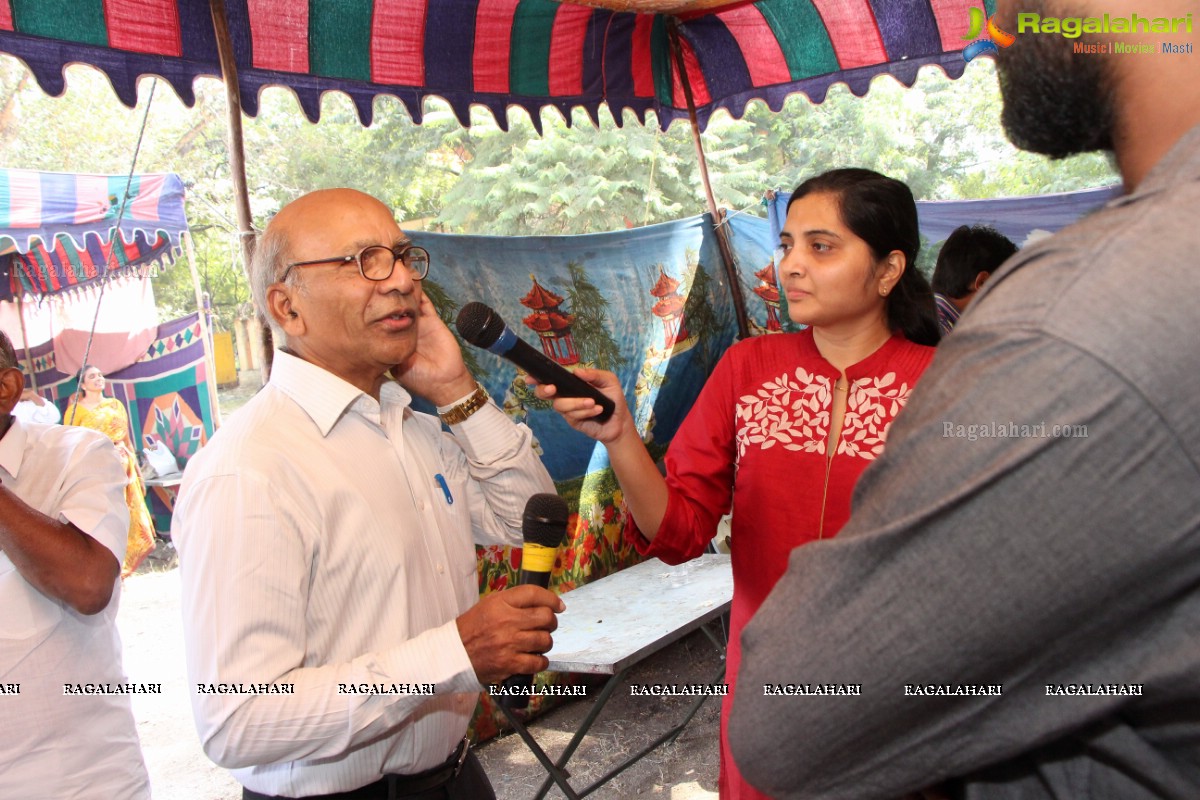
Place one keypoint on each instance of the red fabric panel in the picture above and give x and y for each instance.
(493, 37)
(24, 199)
(643, 68)
(398, 42)
(6, 23)
(279, 34)
(566, 50)
(144, 26)
(953, 22)
(695, 79)
(758, 44)
(852, 29)
(145, 205)
(91, 198)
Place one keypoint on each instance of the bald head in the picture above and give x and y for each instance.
(309, 220)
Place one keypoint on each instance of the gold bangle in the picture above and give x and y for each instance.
(458, 413)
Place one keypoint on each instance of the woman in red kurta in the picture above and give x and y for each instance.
(786, 423)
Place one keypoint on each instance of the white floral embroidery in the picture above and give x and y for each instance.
(793, 412)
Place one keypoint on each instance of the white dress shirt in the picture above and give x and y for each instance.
(318, 548)
(45, 414)
(53, 744)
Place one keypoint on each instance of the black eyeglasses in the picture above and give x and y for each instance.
(377, 262)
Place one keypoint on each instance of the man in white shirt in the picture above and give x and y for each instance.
(335, 640)
(64, 702)
(35, 408)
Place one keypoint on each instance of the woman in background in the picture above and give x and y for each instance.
(786, 423)
(107, 415)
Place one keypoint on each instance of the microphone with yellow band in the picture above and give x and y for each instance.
(543, 527)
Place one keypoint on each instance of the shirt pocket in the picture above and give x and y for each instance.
(27, 612)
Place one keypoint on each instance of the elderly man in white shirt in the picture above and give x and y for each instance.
(64, 700)
(35, 408)
(336, 644)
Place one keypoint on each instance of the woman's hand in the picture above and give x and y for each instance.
(579, 411)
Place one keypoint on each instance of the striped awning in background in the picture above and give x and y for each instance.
(58, 230)
(498, 53)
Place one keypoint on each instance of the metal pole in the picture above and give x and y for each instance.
(237, 155)
(731, 273)
(205, 333)
(25, 342)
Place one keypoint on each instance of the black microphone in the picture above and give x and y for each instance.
(483, 327)
(544, 527)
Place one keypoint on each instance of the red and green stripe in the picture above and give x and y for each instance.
(143, 26)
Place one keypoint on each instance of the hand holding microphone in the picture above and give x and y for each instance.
(544, 528)
(505, 633)
(483, 327)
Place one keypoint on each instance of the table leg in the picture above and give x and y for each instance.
(556, 774)
(610, 685)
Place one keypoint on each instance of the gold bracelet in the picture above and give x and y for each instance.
(458, 413)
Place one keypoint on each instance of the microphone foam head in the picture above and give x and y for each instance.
(479, 324)
(545, 520)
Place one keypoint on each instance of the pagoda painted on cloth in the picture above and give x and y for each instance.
(552, 325)
(768, 290)
(669, 308)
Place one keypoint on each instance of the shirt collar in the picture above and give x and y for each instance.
(324, 396)
(12, 448)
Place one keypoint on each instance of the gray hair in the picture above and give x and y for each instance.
(265, 268)
(8, 356)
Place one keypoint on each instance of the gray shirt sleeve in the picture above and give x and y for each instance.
(1019, 556)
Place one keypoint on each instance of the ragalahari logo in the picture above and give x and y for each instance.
(996, 38)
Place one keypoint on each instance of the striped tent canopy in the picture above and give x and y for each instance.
(59, 231)
(499, 53)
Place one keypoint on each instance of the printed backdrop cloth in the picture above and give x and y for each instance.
(651, 304)
(167, 393)
(498, 54)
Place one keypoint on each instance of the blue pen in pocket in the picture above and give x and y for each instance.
(441, 481)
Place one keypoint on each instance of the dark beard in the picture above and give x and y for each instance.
(1055, 102)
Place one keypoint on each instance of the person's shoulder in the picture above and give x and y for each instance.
(769, 344)
(255, 436)
(64, 437)
(913, 356)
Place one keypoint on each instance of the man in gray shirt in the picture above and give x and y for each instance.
(1014, 607)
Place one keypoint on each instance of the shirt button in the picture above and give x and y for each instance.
(441, 568)
(424, 506)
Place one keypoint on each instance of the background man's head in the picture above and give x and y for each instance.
(967, 259)
(11, 379)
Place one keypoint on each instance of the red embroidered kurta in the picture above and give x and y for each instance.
(757, 438)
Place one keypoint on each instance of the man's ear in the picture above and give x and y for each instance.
(281, 305)
(980, 280)
(12, 383)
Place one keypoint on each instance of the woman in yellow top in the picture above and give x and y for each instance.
(107, 415)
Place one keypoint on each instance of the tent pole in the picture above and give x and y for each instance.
(205, 334)
(25, 342)
(237, 155)
(731, 273)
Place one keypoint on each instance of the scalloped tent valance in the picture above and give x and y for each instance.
(498, 54)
